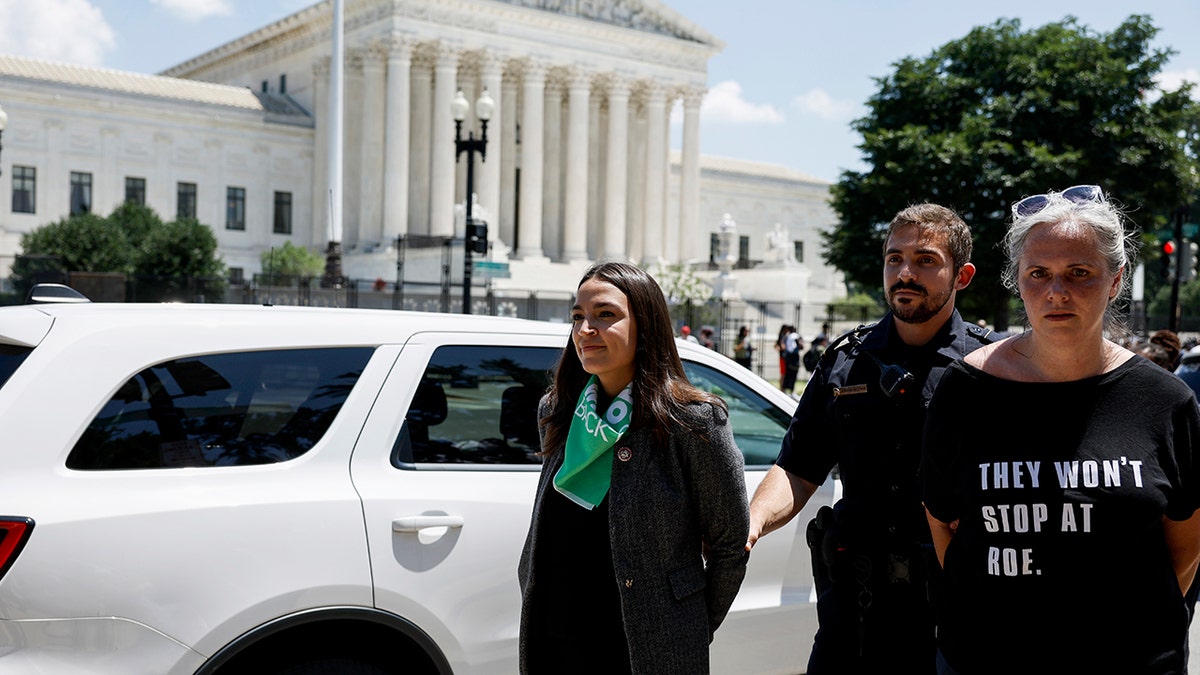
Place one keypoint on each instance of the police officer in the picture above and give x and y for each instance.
(863, 411)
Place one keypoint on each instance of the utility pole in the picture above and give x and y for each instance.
(1180, 261)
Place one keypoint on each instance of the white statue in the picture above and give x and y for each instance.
(478, 213)
(779, 245)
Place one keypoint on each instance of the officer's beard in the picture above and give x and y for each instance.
(916, 312)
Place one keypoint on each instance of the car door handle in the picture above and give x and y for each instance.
(418, 523)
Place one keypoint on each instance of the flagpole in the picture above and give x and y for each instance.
(333, 254)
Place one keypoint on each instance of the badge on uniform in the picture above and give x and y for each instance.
(852, 389)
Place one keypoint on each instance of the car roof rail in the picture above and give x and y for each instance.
(46, 293)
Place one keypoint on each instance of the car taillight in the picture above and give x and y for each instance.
(14, 532)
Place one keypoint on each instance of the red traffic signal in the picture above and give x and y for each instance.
(1169, 247)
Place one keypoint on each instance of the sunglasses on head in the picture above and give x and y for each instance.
(1080, 194)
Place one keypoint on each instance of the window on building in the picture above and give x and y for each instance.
(799, 250)
(235, 208)
(135, 190)
(283, 213)
(81, 192)
(185, 200)
(714, 247)
(743, 261)
(237, 276)
(283, 83)
(24, 189)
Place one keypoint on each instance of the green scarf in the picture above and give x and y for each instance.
(586, 472)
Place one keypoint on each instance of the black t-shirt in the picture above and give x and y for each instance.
(577, 606)
(1059, 561)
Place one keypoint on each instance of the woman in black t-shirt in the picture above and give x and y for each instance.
(1068, 548)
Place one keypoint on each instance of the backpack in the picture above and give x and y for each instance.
(811, 358)
(791, 358)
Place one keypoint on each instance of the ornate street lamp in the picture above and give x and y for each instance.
(475, 237)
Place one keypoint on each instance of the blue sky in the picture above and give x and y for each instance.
(791, 77)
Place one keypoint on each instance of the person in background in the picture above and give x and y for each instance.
(1102, 493)
(1189, 369)
(812, 357)
(793, 349)
(743, 349)
(707, 338)
(1169, 341)
(686, 334)
(635, 549)
(780, 346)
(863, 411)
(1156, 353)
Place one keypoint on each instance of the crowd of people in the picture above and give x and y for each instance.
(952, 549)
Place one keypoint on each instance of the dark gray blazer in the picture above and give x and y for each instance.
(662, 504)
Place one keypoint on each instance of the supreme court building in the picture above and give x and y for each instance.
(578, 166)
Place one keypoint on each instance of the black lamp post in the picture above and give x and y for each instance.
(3, 123)
(475, 237)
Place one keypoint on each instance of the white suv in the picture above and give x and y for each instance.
(247, 489)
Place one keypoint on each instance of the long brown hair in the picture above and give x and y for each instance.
(660, 386)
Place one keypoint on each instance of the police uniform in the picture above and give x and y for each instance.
(871, 552)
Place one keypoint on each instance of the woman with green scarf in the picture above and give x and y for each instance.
(636, 547)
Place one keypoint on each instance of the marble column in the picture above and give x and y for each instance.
(396, 130)
(656, 151)
(670, 228)
(691, 245)
(529, 225)
(422, 129)
(509, 159)
(597, 156)
(552, 182)
(635, 178)
(351, 151)
(488, 171)
(318, 236)
(575, 211)
(371, 146)
(616, 169)
(442, 165)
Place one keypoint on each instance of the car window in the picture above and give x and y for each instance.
(476, 405)
(221, 410)
(758, 425)
(11, 356)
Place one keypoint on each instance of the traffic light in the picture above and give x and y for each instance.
(477, 237)
(1189, 261)
(1168, 259)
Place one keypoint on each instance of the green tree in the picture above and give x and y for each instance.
(859, 307)
(85, 243)
(288, 262)
(1003, 113)
(180, 248)
(131, 240)
(80, 243)
(137, 220)
(179, 260)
